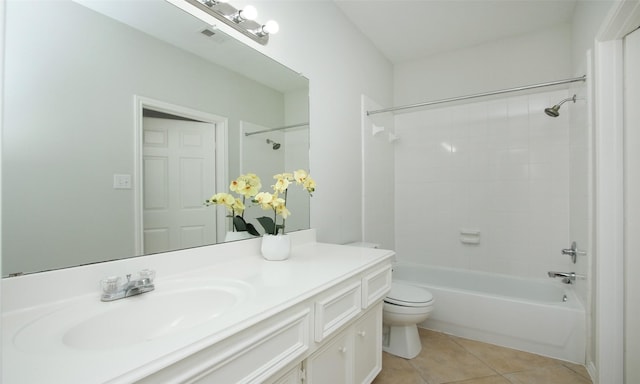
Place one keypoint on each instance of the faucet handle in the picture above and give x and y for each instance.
(147, 274)
(571, 252)
(110, 284)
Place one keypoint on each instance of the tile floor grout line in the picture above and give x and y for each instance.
(534, 370)
(453, 338)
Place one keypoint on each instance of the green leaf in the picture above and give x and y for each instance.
(252, 230)
(268, 224)
(239, 224)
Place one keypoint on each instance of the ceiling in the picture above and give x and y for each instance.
(405, 30)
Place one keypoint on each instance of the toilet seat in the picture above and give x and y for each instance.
(408, 296)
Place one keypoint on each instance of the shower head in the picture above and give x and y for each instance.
(555, 110)
(275, 145)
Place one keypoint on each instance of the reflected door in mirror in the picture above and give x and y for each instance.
(179, 168)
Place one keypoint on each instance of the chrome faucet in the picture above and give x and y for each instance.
(571, 252)
(113, 290)
(567, 277)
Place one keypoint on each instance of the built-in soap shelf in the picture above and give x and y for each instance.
(376, 129)
(470, 236)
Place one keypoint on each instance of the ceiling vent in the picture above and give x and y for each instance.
(207, 32)
(214, 35)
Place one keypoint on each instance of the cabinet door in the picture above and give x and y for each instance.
(333, 363)
(293, 376)
(368, 346)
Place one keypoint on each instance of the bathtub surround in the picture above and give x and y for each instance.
(499, 166)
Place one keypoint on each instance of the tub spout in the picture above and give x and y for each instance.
(567, 277)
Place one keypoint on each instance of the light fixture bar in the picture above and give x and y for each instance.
(232, 17)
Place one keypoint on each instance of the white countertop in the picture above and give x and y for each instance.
(271, 286)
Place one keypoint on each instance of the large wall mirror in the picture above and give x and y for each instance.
(97, 93)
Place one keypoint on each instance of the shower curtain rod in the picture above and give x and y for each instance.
(516, 89)
(276, 129)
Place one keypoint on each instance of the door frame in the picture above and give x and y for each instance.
(609, 190)
(221, 137)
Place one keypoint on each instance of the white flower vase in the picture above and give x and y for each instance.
(276, 247)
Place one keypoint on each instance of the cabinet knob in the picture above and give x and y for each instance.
(342, 349)
(362, 333)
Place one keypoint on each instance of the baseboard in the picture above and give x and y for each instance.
(593, 372)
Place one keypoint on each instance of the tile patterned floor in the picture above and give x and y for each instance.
(449, 359)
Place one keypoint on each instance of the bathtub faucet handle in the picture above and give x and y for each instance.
(571, 252)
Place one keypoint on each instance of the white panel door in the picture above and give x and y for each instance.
(632, 205)
(178, 175)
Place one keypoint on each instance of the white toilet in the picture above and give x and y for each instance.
(404, 307)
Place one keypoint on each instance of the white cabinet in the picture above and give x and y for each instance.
(367, 346)
(293, 376)
(336, 308)
(353, 356)
(333, 363)
(333, 337)
(250, 356)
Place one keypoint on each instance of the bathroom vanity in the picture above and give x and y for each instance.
(218, 314)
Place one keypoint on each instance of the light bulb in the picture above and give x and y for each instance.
(249, 12)
(271, 27)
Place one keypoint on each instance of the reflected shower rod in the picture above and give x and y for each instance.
(492, 93)
(276, 129)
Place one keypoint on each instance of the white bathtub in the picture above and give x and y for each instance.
(524, 314)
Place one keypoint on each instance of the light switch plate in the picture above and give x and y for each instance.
(121, 181)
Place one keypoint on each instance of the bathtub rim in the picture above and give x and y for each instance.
(572, 302)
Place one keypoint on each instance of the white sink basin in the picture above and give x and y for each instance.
(172, 307)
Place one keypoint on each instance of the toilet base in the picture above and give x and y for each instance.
(403, 341)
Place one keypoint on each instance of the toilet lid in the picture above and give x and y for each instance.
(408, 295)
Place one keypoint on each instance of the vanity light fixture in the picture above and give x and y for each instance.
(249, 12)
(270, 27)
(211, 3)
(242, 20)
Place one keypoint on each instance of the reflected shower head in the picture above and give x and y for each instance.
(275, 145)
(555, 110)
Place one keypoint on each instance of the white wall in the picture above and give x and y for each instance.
(2, 39)
(527, 59)
(587, 18)
(632, 207)
(316, 39)
(378, 187)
